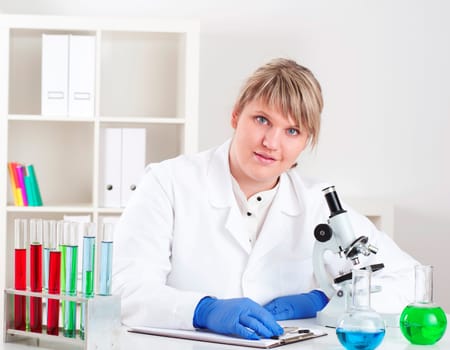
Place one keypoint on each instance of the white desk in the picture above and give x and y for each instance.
(393, 340)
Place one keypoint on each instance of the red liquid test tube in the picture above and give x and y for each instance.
(54, 281)
(51, 241)
(20, 273)
(36, 275)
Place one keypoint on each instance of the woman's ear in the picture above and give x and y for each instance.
(234, 119)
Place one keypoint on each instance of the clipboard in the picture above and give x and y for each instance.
(291, 335)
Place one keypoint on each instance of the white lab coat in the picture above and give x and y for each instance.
(182, 237)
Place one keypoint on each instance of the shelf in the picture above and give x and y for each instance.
(147, 120)
(150, 84)
(62, 155)
(110, 210)
(146, 76)
(106, 119)
(50, 209)
(151, 80)
(63, 209)
(96, 23)
(40, 118)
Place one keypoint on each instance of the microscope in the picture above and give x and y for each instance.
(337, 236)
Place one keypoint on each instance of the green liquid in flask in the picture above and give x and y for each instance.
(423, 325)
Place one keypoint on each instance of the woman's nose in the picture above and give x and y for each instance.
(272, 139)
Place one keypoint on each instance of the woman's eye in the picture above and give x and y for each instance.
(293, 131)
(261, 120)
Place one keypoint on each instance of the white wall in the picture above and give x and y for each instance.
(384, 68)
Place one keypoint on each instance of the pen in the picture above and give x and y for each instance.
(292, 339)
(292, 333)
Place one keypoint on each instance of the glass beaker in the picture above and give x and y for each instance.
(423, 322)
(360, 328)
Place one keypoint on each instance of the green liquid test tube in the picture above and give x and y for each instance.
(63, 233)
(87, 283)
(71, 268)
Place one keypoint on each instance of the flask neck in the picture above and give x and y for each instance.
(360, 290)
(424, 284)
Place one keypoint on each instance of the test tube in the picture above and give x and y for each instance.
(87, 282)
(63, 233)
(106, 250)
(71, 258)
(20, 273)
(54, 279)
(36, 274)
(49, 238)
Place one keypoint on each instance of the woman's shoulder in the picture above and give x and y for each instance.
(187, 166)
(307, 183)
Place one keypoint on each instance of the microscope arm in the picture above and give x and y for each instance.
(321, 274)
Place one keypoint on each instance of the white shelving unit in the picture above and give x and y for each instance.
(146, 76)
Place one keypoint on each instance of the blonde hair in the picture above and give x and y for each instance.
(285, 85)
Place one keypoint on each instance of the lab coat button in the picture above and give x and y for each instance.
(249, 214)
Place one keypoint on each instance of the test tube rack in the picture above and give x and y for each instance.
(102, 323)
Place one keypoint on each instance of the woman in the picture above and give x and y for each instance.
(223, 239)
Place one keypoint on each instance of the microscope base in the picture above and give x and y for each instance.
(335, 308)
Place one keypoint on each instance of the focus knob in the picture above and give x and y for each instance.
(323, 232)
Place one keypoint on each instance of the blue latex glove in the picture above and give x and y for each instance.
(303, 305)
(242, 317)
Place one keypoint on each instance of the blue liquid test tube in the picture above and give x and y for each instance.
(106, 252)
(88, 262)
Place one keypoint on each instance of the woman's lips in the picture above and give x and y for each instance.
(264, 158)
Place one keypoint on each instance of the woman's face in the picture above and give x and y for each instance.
(265, 144)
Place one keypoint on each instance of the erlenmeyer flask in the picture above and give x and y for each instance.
(360, 328)
(423, 322)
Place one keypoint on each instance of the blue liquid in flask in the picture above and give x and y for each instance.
(360, 340)
(360, 328)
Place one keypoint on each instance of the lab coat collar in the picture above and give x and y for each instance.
(287, 206)
(219, 184)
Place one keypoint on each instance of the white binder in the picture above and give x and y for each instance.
(81, 75)
(133, 161)
(110, 167)
(55, 73)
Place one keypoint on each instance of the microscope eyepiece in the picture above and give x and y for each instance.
(333, 201)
